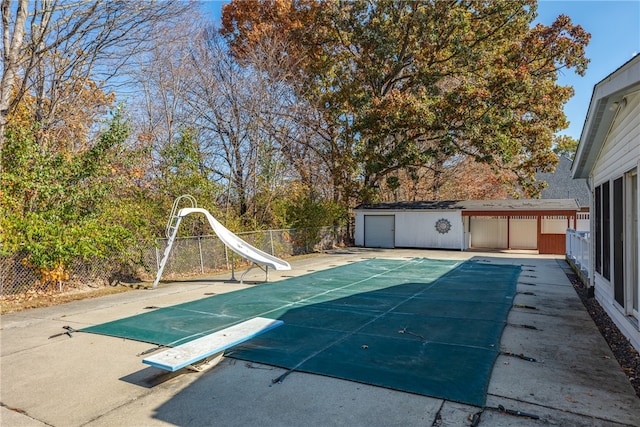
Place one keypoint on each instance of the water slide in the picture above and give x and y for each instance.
(236, 244)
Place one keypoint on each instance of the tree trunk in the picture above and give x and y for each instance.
(12, 44)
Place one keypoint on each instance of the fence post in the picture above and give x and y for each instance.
(200, 252)
(157, 257)
(271, 239)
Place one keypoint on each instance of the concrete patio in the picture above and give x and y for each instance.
(95, 380)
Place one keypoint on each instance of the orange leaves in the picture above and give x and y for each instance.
(58, 273)
(247, 23)
(80, 102)
(557, 46)
(23, 114)
(426, 88)
(66, 115)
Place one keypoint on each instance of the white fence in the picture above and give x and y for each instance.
(578, 250)
(582, 221)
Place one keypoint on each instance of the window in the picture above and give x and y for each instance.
(606, 231)
(598, 228)
(617, 223)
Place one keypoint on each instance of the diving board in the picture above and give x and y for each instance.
(232, 241)
(194, 351)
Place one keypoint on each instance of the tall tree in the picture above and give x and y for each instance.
(403, 83)
(238, 111)
(164, 73)
(223, 103)
(162, 77)
(12, 45)
(564, 145)
(240, 120)
(460, 178)
(49, 45)
(57, 207)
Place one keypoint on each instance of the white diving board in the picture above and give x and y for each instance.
(194, 351)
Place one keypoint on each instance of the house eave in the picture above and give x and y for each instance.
(607, 99)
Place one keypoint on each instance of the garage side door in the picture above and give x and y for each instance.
(379, 231)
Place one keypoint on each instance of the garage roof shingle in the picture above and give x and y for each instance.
(478, 205)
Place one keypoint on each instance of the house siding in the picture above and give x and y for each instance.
(621, 150)
(418, 230)
(619, 155)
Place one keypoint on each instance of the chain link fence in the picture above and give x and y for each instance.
(17, 276)
(190, 256)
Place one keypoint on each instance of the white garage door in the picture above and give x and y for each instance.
(379, 231)
(523, 232)
(489, 232)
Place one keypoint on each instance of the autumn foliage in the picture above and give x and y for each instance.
(413, 85)
(290, 114)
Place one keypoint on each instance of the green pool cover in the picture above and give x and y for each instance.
(423, 326)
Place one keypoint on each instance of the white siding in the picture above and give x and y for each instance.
(358, 232)
(620, 154)
(621, 150)
(418, 230)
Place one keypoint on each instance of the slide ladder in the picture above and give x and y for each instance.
(171, 231)
(174, 218)
(233, 242)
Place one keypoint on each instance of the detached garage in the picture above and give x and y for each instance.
(489, 224)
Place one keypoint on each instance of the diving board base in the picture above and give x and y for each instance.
(206, 363)
(188, 354)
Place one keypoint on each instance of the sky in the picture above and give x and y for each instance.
(615, 38)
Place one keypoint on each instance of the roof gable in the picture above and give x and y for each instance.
(606, 100)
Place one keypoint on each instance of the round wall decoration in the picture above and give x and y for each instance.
(443, 226)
